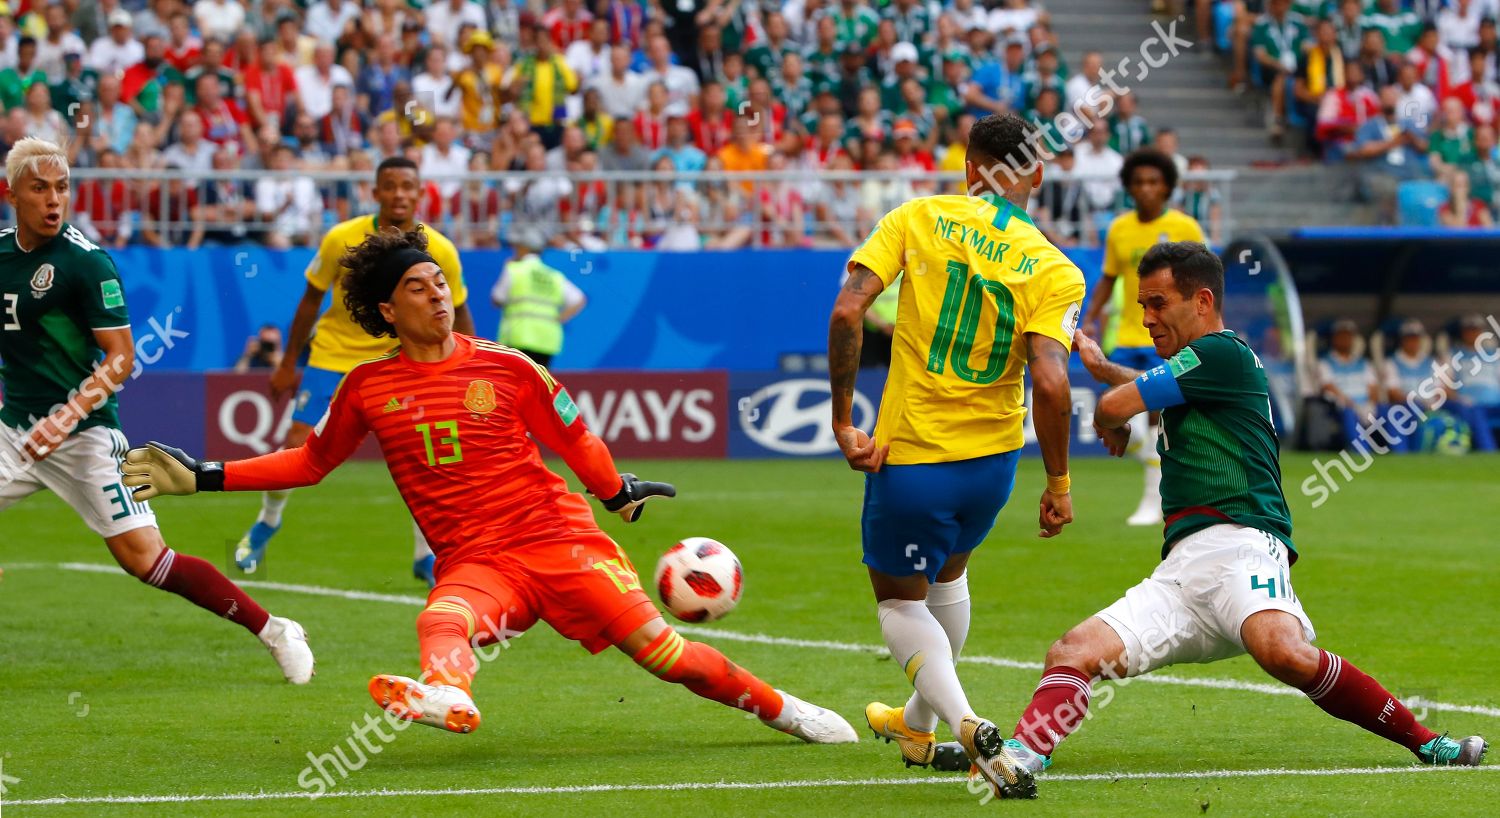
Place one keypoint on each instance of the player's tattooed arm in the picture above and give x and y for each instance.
(1103, 370)
(845, 336)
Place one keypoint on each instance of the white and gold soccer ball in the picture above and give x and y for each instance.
(699, 580)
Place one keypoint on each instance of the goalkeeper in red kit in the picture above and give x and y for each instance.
(458, 420)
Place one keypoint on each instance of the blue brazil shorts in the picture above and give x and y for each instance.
(917, 516)
(1141, 358)
(315, 394)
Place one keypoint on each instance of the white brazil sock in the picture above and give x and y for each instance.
(271, 505)
(918, 643)
(949, 604)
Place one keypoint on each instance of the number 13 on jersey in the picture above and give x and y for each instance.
(958, 326)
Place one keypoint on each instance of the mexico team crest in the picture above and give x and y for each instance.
(41, 280)
(480, 399)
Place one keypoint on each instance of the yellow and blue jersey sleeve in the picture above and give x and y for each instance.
(324, 271)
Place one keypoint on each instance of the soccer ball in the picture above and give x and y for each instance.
(699, 580)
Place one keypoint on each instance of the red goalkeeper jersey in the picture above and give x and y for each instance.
(455, 437)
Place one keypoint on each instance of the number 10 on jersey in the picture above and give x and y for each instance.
(958, 326)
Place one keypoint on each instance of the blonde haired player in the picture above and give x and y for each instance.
(66, 345)
(985, 298)
(1150, 177)
(339, 345)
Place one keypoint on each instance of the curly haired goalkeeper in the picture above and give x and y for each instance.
(456, 417)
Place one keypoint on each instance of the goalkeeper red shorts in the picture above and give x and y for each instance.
(583, 586)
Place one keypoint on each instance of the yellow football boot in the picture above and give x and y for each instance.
(916, 748)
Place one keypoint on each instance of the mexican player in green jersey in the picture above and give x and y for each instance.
(65, 349)
(1223, 586)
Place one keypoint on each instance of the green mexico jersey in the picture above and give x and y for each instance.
(1220, 460)
(51, 301)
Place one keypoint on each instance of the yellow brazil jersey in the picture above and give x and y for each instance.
(1127, 241)
(338, 343)
(979, 276)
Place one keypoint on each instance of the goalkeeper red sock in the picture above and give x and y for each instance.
(445, 632)
(1057, 709)
(201, 584)
(708, 673)
(1346, 692)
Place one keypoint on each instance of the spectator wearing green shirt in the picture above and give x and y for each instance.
(1315, 9)
(16, 79)
(791, 86)
(825, 105)
(903, 67)
(822, 58)
(765, 57)
(1046, 75)
(1276, 43)
(855, 22)
(210, 62)
(942, 91)
(141, 85)
(1128, 130)
(77, 86)
(1400, 26)
(911, 19)
(736, 83)
(1451, 146)
(914, 109)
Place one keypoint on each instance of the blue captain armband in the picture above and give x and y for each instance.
(1159, 389)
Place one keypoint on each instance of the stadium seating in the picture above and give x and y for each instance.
(504, 88)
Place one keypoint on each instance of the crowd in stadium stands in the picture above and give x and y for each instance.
(1405, 89)
(564, 87)
(1449, 385)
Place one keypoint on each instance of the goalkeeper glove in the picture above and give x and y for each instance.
(634, 493)
(156, 469)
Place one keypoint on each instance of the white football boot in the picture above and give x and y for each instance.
(811, 723)
(287, 642)
(444, 706)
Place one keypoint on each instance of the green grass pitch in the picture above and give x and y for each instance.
(115, 690)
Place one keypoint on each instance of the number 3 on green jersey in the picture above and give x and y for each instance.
(958, 326)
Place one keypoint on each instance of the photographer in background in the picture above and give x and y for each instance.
(262, 350)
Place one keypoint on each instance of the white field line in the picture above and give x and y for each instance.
(815, 644)
(951, 780)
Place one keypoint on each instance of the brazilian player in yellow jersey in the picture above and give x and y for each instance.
(1150, 177)
(338, 345)
(985, 298)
